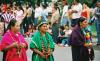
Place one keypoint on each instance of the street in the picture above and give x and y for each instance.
(64, 54)
(61, 54)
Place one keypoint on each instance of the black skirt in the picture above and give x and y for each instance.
(80, 53)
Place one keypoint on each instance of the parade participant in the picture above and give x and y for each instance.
(42, 44)
(78, 41)
(13, 43)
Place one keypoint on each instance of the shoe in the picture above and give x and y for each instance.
(66, 45)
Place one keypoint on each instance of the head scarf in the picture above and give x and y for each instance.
(41, 24)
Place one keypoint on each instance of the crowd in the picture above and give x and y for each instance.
(47, 25)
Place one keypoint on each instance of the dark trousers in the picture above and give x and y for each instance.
(98, 30)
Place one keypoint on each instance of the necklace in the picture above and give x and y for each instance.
(18, 47)
(44, 50)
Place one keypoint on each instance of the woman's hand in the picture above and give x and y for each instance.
(48, 53)
(23, 45)
(42, 55)
(90, 44)
(15, 44)
(86, 45)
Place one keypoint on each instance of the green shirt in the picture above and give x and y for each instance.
(37, 43)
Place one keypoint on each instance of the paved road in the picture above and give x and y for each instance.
(62, 54)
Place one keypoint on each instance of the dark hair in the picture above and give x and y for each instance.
(57, 8)
(20, 7)
(65, 2)
(29, 4)
(62, 27)
(11, 24)
(38, 4)
(8, 8)
(80, 20)
(49, 14)
(77, 1)
(44, 6)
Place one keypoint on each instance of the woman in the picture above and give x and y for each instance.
(79, 45)
(19, 14)
(42, 44)
(37, 14)
(55, 23)
(64, 18)
(13, 43)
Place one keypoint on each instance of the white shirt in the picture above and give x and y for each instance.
(19, 15)
(49, 9)
(78, 8)
(45, 12)
(68, 33)
(65, 10)
(38, 12)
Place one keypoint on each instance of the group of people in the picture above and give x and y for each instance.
(22, 13)
(71, 28)
(14, 45)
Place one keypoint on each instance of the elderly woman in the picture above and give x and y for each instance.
(81, 43)
(42, 44)
(13, 43)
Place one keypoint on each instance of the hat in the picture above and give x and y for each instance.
(41, 24)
